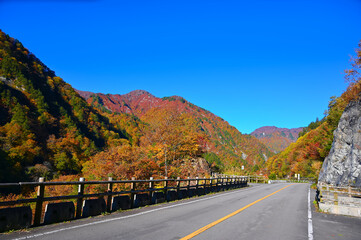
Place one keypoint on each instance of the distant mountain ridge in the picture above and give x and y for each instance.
(233, 148)
(136, 102)
(277, 139)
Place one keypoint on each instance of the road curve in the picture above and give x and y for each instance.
(257, 212)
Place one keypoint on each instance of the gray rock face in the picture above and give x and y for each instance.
(342, 167)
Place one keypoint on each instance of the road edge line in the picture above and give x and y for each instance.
(310, 227)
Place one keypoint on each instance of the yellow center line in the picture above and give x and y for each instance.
(228, 216)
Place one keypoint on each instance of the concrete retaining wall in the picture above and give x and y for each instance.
(338, 202)
(59, 212)
(340, 209)
(15, 218)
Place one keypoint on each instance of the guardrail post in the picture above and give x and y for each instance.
(132, 189)
(178, 184)
(39, 202)
(197, 184)
(188, 184)
(79, 202)
(109, 197)
(217, 184)
(151, 187)
(349, 191)
(165, 186)
(211, 184)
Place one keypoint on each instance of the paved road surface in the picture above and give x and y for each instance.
(282, 215)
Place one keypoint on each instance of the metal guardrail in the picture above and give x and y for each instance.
(189, 183)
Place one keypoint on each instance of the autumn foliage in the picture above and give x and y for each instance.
(225, 148)
(306, 156)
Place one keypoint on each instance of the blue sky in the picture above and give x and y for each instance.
(253, 63)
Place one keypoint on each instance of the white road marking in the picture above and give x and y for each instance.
(310, 227)
(129, 216)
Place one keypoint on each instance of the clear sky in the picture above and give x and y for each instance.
(253, 63)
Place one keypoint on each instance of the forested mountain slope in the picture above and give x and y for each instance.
(225, 147)
(276, 139)
(308, 153)
(46, 128)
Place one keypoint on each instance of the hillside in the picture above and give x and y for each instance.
(46, 128)
(226, 147)
(307, 154)
(342, 166)
(276, 139)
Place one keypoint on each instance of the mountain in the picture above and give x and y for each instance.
(46, 128)
(276, 139)
(307, 154)
(227, 147)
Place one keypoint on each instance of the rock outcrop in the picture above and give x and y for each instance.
(342, 167)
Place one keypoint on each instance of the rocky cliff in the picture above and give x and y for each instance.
(342, 166)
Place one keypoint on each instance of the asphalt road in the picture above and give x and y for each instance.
(255, 214)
